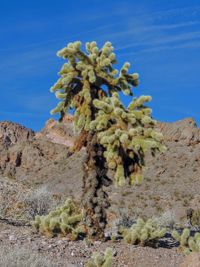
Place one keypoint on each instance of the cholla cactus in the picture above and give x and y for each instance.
(195, 218)
(187, 242)
(98, 260)
(66, 219)
(115, 137)
(142, 231)
(125, 133)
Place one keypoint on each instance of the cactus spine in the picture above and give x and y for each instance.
(116, 137)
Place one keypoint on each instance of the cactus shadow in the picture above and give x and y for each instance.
(169, 242)
(166, 241)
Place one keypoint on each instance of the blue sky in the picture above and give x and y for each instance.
(161, 40)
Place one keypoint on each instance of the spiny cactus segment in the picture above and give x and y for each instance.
(187, 242)
(195, 218)
(98, 260)
(83, 73)
(142, 231)
(66, 219)
(126, 134)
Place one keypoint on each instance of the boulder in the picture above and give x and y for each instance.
(59, 132)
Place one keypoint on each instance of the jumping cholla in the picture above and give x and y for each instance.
(187, 242)
(115, 136)
(98, 260)
(142, 232)
(65, 220)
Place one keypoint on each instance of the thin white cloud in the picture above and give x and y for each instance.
(183, 12)
(23, 63)
(167, 39)
(22, 114)
(39, 102)
(56, 40)
(158, 27)
(188, 45)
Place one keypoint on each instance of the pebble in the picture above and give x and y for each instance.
(97, 243)
(12, 238)
(72, 253)
(29, 239)
(60, 242)
(114, 253)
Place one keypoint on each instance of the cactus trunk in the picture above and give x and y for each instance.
(95, 199)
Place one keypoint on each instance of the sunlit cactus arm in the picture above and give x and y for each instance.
(132, 134)
(94, 67)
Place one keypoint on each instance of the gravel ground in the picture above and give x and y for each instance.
(18, 242)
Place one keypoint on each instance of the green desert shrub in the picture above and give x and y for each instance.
(39, 202)
(166, 219)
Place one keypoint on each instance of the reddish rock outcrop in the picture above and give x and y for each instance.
(12, 133)
(184, 131)
(59, 132)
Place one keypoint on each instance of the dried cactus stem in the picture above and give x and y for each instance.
(95, 199)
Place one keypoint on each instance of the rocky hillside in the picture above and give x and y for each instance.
(42, 162)
(38, 172)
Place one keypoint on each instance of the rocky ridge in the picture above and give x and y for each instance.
(12, 133)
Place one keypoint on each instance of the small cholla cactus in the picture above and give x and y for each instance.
(194, 218)
(116, 137)
(142, 231)
(187, 242)
(98, 260)
(65, 220)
